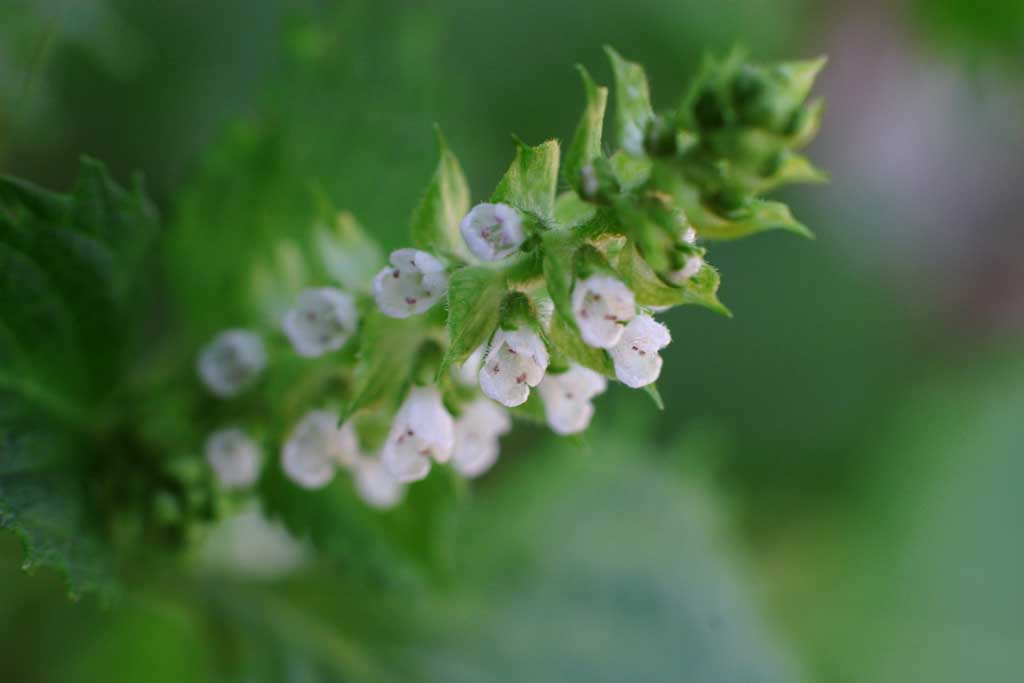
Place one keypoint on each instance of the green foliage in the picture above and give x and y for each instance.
(529, 183)
(435, 222)
(474, 300)
(586, 142)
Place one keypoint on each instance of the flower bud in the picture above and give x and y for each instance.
(567, 398)
(690, 268)
(231, 362)
(322, 320)
(316, 447)
(601, 305)
(421, 431)
(492, 231)
(476, 437)
(515, 362)
(234, 457)
(413, 283)
(636, 358)
(375, 484)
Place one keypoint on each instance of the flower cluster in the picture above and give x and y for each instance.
(426, 362)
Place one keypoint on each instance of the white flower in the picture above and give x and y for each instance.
(476, 437)
(231, 362)
(234, 457)
(322, 320)
(516, 361)
(601, 304)
(567, 398)
(375, 484)
(636, 358)
(492, 231)
(316, 447)
(690, 268)
(422, 430)
(413, 283)
(690, 235)
(467, 372)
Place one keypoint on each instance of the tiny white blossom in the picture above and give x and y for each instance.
(231, 362)
(636, 358)
(476, 437)
(492, 231)
(376, 485)
(601, 305)
(234, 457)
(322, 320)
(567, 398)
(413, 283)
(690, 268)
(516, 361)
(316, 447)
(690, 235)
(422, 430)
(467, 372)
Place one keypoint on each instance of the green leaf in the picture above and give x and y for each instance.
(795, 168)
(435, 222)
(386, 359)
(630, 171)
(529, 183)
(43, 502)
(559, 266)
(757, 216)
(586, 142)
(799, 76)
(566, 339)
(474, 299)
(651, 290)
(652, 391)
(571, 211)
(632, 103)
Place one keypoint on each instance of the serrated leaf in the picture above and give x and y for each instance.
(566, 339)
(474, 300)
(632, 103)
(42, 502)
(385, 360)
(435, 222)
(586, 142)
(529, 183)
(651, 290)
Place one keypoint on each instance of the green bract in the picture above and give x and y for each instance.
(85, 463)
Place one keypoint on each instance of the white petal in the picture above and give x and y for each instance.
(375, 484)
(322, 320)
(516, 361)
(476, 436)
(601, 305)
(231, 362)
(413, 283)
(314, 449)
(567, 398)
(492, 231)
(234, 457)
(636, 358)
(422, 430)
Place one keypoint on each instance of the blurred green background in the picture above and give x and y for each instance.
(833, 493)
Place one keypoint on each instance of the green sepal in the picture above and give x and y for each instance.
(566, 339)
(652, 391)
(435, 222)
(586, 142)
(632, 102)
(474, 298)
(589, 261)
(529, 183)
(752, 217)
(517, 310)
(650, 290)
(559, 266)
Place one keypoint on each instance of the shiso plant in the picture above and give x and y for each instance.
(523, 304)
